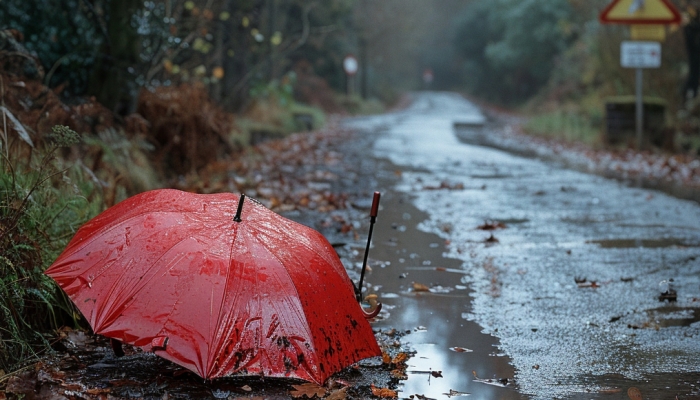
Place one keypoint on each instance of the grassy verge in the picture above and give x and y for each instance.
(570, 126)
(42, 203)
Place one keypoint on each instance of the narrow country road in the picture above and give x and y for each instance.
(558, 295)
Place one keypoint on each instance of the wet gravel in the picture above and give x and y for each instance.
(572, 286)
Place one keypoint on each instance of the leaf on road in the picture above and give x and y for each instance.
(419, 287)
(491, 239)
(491, 226)
(461, 349)
(400, 358)
(584, 283)
(399, 373)
(384, 393)
(454, 393)
(634, 394)
(386, 358)
(339, 394)
(308, 390)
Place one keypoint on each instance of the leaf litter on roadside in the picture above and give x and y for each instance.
(308, 390)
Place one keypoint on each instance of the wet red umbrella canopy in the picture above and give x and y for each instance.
(174, 273)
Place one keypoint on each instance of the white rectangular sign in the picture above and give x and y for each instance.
(634, 54)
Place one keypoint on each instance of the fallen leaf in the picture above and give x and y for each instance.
(491, 225)
(246, 388)
(384, 393)
(399, 373)
(634, 394)
(308, 390)
(400, 358)
(453, 393)
(491, 239)
(97, 391)
(339, 394)
(419, 287)
(386, 358)
(461, 349)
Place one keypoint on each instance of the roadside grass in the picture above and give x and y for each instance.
(42, 204)
(570, 126)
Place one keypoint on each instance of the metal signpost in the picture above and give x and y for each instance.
(640, 55)
(647, 20)
(350, 65)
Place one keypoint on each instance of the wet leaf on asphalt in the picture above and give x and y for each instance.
(399, 359)
(445, 185)
(419, 287)
(491, 225)
(491, 239)
(585, 283)
(399, 373)
(634, 394)
(386, 358)
(308, 390)
(454, 393)
(383, 393)
(461, 349)
(338, 394)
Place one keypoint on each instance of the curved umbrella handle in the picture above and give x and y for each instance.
(373, 313)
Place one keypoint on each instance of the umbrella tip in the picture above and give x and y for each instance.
(237, 218)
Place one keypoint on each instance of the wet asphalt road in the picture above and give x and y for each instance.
(561, 302)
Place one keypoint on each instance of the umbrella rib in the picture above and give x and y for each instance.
(221, 310)
(275, 256)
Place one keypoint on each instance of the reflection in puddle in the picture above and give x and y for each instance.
(674, 316)
(447, 347)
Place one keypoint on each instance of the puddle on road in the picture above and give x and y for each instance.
(645, 243)
(434, 318)
(667, 316)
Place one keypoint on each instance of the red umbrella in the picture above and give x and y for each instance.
(178, 274)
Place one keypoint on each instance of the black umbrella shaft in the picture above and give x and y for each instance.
(372, 220)
(237, 218)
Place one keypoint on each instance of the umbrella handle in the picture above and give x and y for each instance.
(372, 220)
(373, 313)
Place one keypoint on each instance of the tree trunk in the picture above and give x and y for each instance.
(112, 83)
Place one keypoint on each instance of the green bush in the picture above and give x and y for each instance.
(42, 204)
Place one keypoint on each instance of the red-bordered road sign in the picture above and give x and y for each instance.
(640, 12)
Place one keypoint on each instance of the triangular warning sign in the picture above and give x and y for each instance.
(640, 12)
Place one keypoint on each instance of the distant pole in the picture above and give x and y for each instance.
(639, 108)
(363, 67)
